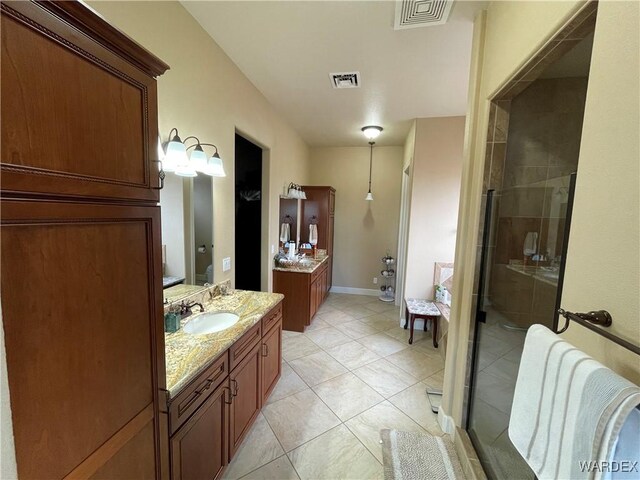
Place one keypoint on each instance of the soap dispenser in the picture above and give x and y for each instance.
(172, 319)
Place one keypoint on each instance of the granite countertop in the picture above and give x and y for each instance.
(187, 355)
(312, 267)
(178, 292)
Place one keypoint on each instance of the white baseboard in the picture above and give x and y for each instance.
(446, 422)
(355, 291)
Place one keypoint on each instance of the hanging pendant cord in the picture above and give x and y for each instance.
(370, 163)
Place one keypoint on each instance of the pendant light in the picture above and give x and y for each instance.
(371, 132)
(369, 196)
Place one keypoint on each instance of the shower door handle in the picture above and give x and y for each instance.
(481, 316)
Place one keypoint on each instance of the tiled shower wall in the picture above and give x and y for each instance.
(545, 124)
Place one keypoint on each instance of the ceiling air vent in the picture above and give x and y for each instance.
(345, 79)
(421, 13)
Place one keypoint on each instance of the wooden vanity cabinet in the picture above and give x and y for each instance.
(200, 448)
(304, 294)
(271, 359)
(210, 417)
(246, 388)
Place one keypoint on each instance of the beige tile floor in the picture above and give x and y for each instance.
(349, 375)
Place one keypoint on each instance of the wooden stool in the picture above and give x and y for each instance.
(425, 309)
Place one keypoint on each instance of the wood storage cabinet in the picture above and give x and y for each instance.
(320, 208)
(81, 271)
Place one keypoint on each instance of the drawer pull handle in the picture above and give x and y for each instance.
(206, 387)
(265, 350)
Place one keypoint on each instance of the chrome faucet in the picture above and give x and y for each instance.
(185, 308)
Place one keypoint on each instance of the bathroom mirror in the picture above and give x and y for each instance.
(187, 230)
(202, 245)
(289, 231)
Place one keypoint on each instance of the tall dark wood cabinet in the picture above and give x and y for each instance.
(319, 208)
(81, 250)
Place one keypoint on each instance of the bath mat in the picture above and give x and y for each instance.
(416, 456)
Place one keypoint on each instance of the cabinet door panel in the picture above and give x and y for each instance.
(245, 383)
(82, 315)
(87, 127)
(271, 360)
(199, 448)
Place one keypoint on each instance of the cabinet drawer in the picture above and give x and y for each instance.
(318, 272)
(271, 318)
(194, 395)
(243, 346)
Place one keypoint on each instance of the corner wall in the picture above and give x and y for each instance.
(435, 193)
(364, 230)
(205, 94)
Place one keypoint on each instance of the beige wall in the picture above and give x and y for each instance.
(364, 230)
(435, 192)
(602, 262)
(206, 95)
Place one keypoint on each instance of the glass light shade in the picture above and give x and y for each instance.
(369, 196)
(199, 160)
(186, 170)
(215, 168)
(176, 155)
(160, 149)
(304, 195)
(371, 132)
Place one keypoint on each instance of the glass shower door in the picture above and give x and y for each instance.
(496, 357)
(519, 284)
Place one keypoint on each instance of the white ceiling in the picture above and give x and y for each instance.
(287, 49)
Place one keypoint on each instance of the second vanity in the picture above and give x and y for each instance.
(305, 289)
(218, 382)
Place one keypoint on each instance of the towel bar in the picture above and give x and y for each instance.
(590, 319)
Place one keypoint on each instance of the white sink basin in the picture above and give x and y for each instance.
(210, 322)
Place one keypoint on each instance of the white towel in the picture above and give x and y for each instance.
(285, 232)
(313, 234)
(567, 408)
(530, 246)
(627, 448)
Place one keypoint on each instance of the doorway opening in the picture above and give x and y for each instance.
(533, 145)
(248, 214)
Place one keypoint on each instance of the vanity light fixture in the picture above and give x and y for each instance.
(371, 131)
(212, 166)
(176, 153)
(176, 160)
(295, 191)
(369, 196)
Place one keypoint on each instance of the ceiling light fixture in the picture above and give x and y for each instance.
(371, 131)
